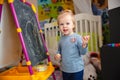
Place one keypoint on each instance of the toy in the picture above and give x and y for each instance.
(28, 29)
(92, 66)
(96, 61)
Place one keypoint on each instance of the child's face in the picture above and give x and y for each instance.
(66, 24)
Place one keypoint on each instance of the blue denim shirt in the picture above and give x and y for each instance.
(70, 48)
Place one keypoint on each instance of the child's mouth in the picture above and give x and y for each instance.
(65, 30)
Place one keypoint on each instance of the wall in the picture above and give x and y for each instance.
(113, 4)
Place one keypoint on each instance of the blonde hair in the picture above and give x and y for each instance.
(66, 12)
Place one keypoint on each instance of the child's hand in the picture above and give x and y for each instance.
(57, 57)
(85, 40)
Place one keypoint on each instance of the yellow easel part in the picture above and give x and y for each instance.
(28, 63)
(40, 31)
(50, 63)
(19, 30)
(33, 77)
(33, 8)
(10, 1)
(1, 1)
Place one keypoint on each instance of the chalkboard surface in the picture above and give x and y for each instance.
(30, 32)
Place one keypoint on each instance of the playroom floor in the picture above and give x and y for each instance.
(58, 75)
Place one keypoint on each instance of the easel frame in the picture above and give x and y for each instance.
(33, 74)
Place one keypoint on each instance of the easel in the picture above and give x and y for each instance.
(26, 72)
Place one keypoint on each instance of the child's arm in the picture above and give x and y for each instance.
(58, 55)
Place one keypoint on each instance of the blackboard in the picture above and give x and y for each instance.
(30, 32)
(114, 24)
(110, 62)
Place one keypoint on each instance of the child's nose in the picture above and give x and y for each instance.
(64, 25)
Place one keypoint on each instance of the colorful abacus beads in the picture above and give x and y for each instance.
(114, 45)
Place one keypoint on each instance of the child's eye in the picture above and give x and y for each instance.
(67, 23)
(61, 24)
